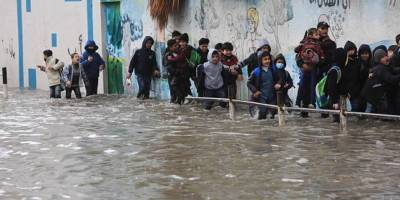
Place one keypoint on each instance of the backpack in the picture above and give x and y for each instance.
(321, 97)
(308, 55)
(194, 59)
(60, 71)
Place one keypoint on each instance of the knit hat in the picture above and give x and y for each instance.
(378, 55)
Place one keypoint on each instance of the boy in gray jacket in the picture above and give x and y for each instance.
(73, 75)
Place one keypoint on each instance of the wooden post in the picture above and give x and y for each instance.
(281, 112)
(343, 119)
(232, 110)
(5, 87)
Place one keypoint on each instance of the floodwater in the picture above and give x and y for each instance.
(115, 147)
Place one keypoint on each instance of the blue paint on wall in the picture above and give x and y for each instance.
(20, 45)
(89, 11)
(32, 78)
(28, 6)
(54, 39)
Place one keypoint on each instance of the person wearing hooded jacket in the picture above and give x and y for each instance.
(365, 61)
(395, 66)
(351, 76)
(377, 86)
(252, 61)
(145, 65)
(92, 64)
(336, 86)
(284, 81)
(212, 76)
(262, 84)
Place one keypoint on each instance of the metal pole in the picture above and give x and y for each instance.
(342, 114)
(232, 110)
(281, 113)
(5, 88)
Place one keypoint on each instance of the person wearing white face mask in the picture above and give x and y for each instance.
(284, 81)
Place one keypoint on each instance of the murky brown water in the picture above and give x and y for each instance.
(111, 147)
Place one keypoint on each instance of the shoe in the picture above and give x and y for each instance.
(304, 114)
(324, 116)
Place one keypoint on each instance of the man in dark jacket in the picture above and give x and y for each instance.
(92, 64)
(145, 65)
(328, 47)
(377, 87)
(203, 49)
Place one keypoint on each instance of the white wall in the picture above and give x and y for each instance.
(9, 41)
(67, 19)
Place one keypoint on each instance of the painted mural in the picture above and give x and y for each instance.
(282, 22)
(114, 48)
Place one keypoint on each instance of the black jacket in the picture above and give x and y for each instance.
(144, 60)
(376, 87)
(335, 88)
(365, 66)
(251, 62)
(352, 72)
(203, 56)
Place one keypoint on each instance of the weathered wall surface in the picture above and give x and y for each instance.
(282, 22)
(44, 24)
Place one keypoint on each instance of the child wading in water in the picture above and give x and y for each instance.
(284, 81)
(73, 75)
(211, 76)
(261, 83)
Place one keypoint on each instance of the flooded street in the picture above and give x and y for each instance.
(115, 147)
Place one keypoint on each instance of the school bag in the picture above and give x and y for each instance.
(322, 98)
(309, 55)
(194, 59)
(60, 71)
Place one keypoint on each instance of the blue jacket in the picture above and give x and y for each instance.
(92, 69)
(254, 82)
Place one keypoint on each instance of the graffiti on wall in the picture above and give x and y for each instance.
(335, 20)
(252, 34)
(8, 48)
(345, 4)
(276, 14)
(207, 17)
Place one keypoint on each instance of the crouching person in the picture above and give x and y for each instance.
(73, 75)
(211, 76)
(53, 70)
(261, 84)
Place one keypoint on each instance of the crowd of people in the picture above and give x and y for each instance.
(369, 78)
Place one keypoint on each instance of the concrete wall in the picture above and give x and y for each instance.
(45, 24)
(9, 41)
(282, 22)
